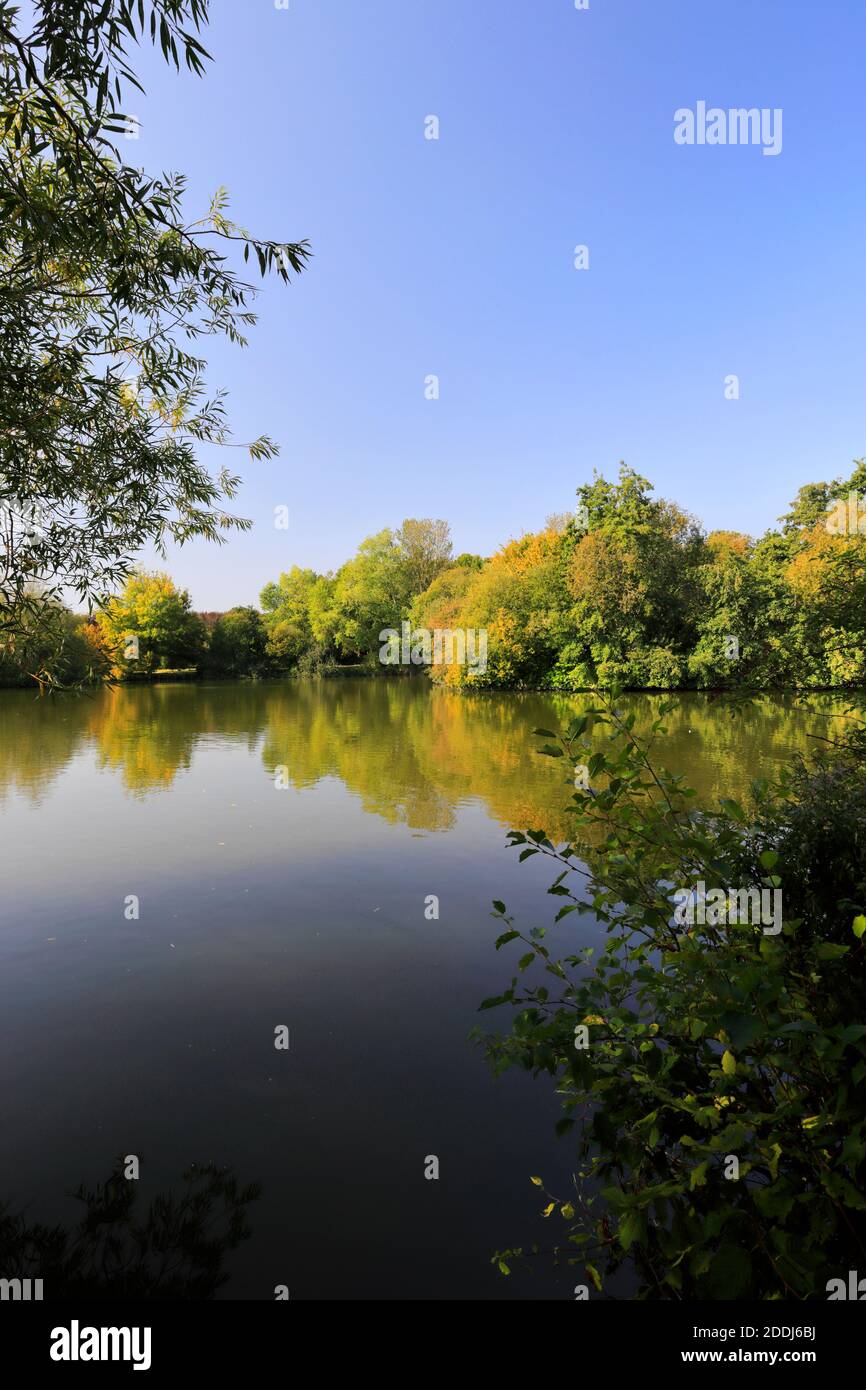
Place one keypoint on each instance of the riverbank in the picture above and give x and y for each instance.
(368, 672)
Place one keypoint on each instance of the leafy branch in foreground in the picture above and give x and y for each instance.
(104, 288)
(711, 1069)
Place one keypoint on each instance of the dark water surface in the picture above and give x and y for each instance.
(301, 906)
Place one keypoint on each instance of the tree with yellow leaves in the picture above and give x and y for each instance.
(150, 625)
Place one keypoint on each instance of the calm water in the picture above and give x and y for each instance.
(301, 906)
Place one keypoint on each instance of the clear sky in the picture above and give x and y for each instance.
(455, 257)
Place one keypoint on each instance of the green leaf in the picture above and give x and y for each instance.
(729, 1274)
(741, 1028)
(828, 950)
(629, 1230)
(698, 1176)
(564, 911)
(773, 1202)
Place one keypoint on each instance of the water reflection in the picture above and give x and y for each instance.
(172, 1245)
(303, 907)
(412, 755)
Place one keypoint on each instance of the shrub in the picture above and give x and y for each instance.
(717, 1110)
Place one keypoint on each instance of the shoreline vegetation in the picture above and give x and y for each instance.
(626, 591)
(193, 675)
(712, 1076)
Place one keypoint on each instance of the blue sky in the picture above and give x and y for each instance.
(455, 257)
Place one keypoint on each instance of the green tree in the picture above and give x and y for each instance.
(370, 593)
(105, 287)
(813, 501)
(299, 617)
(733, 604)
(425, 550)
(237, 644)
(374, 590)
(634, 579)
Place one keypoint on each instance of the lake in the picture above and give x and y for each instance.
(281, 840)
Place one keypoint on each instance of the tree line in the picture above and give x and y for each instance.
(627, 590)
(108, 287)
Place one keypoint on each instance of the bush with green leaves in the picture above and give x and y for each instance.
(705, 1043)
(815, 816)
